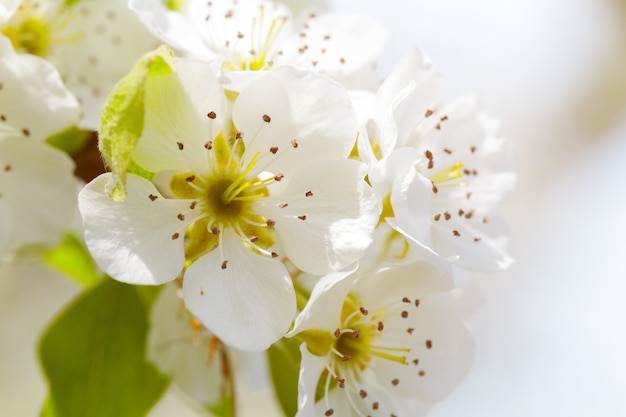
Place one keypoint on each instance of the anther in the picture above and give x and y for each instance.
(395, 381)
(444, 118)
(274, 255)
(428, 154)
(308, 194)
(375, 405)
(238, 135)
(274, 149)
(362, 393)
(278, 177)
(175, 236)
(329, 412)
(303, 217)
(381, 326)
(224, 264)
(266, 118)
(152, 197)
(406, 300)
(294, 143)
(181, 146)
(448, 151)
(254, 239)
(429, 344)
(410, 330)
(473, 149)
(404, 314)
(438, 126)
(270, 223)
(363, 311)
(211, 115)
(428, 113)
(485, 219)
(342, 60)
(346, 358)
(476, 239)
(417, 302)
(461, 212)
(456, 233)
(215, 230)
(181, 216)
(337, 333)
(229, 14)
(193, 205)
(341, 381)
(356, 333)
(282, 205)
(208, 144)
(437, 217)
(435, 189)
(416, 361)
(421, 373)
(447, 215)
(190, 178)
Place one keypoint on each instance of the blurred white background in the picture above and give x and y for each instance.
(551, 336)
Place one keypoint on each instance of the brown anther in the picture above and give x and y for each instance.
(346, 358)
(375, 405)
(152, 197)
(274, 255)
(308, 194)
(429, 113)
(303, 217)
(278, 177)
(428, 154)
(302, 35)
(448, 151)
(429, 344)
(404, 314)
(469, 214)
(294, 143)
(270, 223)
(254, 238)
(421, 373)
(181, 217)
(437, 217)
(329, 412)
(467, 171)
(282, 205)
(474, 172)
(227, 44)
(431, 164)
(337, 333)
(444, 118)
(190, 178)
(447, 215)
(215, 230)
(417, 302)
(435, 189)
(341, 381)
(485, 219)
(201, 291)
(26, 132)
(363, 311)
(266, 118)
(314, 63)
(181, 146)
(468, 195)
(211, 115)
(240, 35)
(208, 144)
(473, 149)
(326, 37)
(3, 117)
(238, 135)
(461, 212)
(356, 333)
(456, 233)
(477, 239)
(175, 236)
(395, 381)
(342, 60)
(438, 126)
(406, 300)
(207, 17)
(410, 330)
(193, 204)
(380, 326)
(362, 393)
(228, 14)
(224, 264)
(274, 149)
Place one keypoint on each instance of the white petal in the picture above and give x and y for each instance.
(139, 240)
(171, 27)
(297, 103)
(323, 309)
(340, 215)
(5, 226)
(445, 363)
(181, 350)
(7, 8)
(177, 108)
(249, 304)
(311, 368)
(38, 186)
(33, 99)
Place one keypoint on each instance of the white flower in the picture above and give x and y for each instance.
(238, 187)
(439, 170)
(92, 43)
(37, 187)
(388, 343)
(257, 35)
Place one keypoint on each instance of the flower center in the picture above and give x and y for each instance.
(35, 32)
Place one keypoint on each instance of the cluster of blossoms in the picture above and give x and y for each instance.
(256, 163)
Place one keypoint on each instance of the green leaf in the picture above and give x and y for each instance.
(284, 361)
(72, 258)
(223, 408)
(123, 115)
(93, 356)
(70, 140)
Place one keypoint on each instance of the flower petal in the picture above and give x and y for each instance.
(330, 217)
(33, 99)
(311, 368)
(5, 226)
(38, 186)
(139, 240)
(248, 302)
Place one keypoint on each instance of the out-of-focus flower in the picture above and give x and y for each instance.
(37, 187)
(439, 170)
(257, 35)
(388, 343)
(93, 43)
(238, 187)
